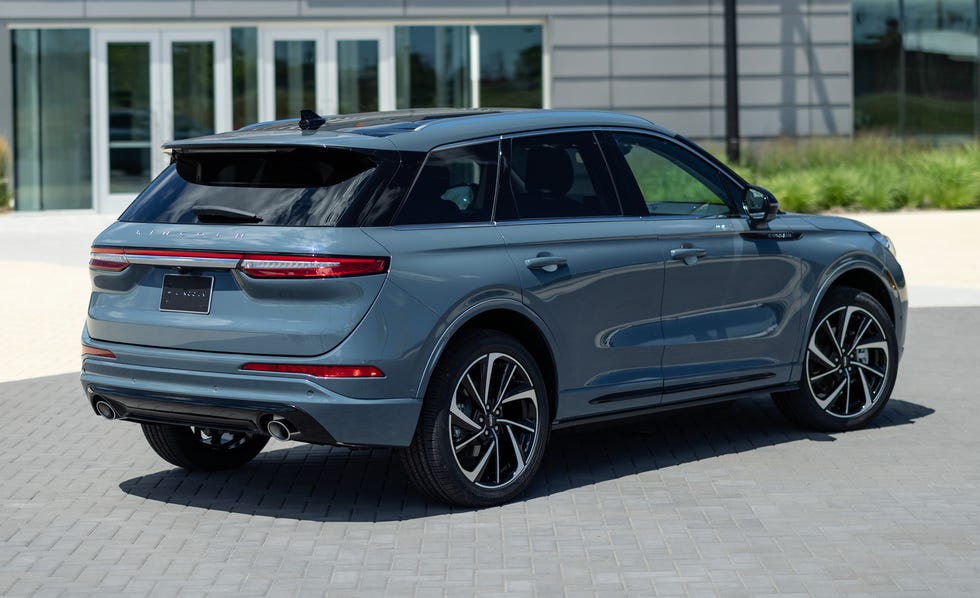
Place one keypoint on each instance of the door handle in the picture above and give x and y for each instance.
(688, 255)
(547, 263)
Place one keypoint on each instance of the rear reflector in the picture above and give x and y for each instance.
(87, 350)
(320, 371)
(282, 266)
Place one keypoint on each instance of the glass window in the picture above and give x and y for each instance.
(433, 67)
(559, 176)
(295, 64)
(357, 75)
(245, 76)
(510, 66)
(669, 180)
(940, 66)
(454, 185)
(917, 66)
(52, 130)
(130, 116)
(877, 53)
(193, 89)
(301, 187)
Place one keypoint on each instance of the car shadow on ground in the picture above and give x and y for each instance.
(320, 483)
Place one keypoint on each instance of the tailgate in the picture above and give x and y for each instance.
(232, 288)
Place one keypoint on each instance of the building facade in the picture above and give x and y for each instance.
(96, 86)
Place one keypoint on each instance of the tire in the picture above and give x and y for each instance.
(471, 451)
(849, 366)
(203, 449)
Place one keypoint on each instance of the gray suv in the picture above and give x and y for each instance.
(458, 283)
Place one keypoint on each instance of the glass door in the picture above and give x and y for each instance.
(336, 71)
(361, 70)
(291, 73)
(152, 86)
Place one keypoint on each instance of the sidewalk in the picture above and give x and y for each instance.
(44, 259)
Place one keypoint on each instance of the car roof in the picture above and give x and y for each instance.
(411, 130)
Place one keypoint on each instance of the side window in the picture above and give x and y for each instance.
(562, 175)
(454, 185)
(669, 180)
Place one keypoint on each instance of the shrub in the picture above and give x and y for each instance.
(871, 172)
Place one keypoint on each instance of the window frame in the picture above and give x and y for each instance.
(629, 189)
(505, 168)
(495, 180)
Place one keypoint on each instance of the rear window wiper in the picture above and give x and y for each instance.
(223, 214)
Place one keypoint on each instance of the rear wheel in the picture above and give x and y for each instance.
(484, 423)
(850, 364)
(203, 449)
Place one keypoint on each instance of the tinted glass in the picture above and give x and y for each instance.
(433, 66)
(559, 176)
(357, 75)
(455, 185)
(299, 187)
(877, 53)
(193, 89)
(129, 116)
(244, 76)
(916, 66)
(670, 180)
(295, 77)
(510, 65)
(940, 66)
(51, 106)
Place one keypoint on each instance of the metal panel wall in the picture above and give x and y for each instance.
(662, 59)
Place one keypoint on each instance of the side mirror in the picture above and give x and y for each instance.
(760, 205)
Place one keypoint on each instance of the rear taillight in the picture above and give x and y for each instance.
(256, 266)
(94, 351)
(320, 371)
(107, 259)
(288, 266)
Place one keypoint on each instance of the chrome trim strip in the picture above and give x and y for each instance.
(185, 262)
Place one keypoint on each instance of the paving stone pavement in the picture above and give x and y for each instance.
(712, 502)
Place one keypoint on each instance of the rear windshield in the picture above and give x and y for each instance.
(289, 187)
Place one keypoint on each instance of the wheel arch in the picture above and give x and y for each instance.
(861, 275)
(511, 318)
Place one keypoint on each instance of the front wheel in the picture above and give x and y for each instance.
(484, 423)
(850, 365)
(203, 449)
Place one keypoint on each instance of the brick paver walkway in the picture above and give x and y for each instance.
(712, 502)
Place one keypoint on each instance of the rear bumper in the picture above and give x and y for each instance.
(246, 402)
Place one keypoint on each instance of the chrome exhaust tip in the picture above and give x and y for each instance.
(105, 409)
(280, 429)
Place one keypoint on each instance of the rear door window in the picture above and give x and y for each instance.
(454, 185)
(287, 187)
(559, 175)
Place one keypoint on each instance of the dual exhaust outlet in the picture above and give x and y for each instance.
(280, 429)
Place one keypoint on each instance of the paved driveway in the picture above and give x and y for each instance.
(708, 502)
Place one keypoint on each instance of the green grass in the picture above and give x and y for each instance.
(6, 192)
(866, 173)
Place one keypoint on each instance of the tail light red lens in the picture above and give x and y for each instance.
(87, 350)
(112, 260)
(319, 371)
(288, 266)
(256, 266)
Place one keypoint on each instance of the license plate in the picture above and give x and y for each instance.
(189, 294)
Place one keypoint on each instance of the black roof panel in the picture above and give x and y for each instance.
(412, 130)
